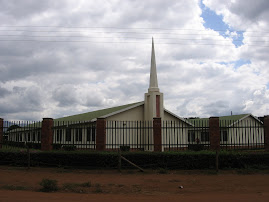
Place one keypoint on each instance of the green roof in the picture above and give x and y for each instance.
(95, 114)
(224, 120)
(80, 117)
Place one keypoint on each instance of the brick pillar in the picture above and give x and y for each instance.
(1, 131)
(214, 133)
(266, 132)
(101, 134)
(47, 134)
(157, 134)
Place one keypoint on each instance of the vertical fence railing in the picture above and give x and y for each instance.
(22, 134)
(68, 135)
(129, 135)
(136, 135)
(240, 135)
(178, 135)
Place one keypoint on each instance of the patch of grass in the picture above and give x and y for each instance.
(63, 170)
(174, 180)
(75, 187)
(246, 171)
(86, 184)
(162, 171)
(98, 188)
(137, 188)
(70, 186)
(14, 187)
(210, 172)
(49, 185)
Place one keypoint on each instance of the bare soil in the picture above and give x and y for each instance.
(20, 184)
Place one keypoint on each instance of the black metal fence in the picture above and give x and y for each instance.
(70, 135)
(129, 135)
(137, 135)
(241, 135)
(21, 134)
(189, 135)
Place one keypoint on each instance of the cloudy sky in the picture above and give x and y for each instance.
(63, 57)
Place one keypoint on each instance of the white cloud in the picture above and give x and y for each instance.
(195, 65)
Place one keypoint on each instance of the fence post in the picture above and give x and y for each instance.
(100, 134)
(47, 134)
(1, 131)
(266, 132)
(214, 133)
(157, 134)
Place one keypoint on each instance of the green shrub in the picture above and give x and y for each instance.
(69, 148)
(162, 171)
(186, 160)
(196, 147)
(125, 148)
(56, 146)
(48, 185)
(86, 184)
(98, 188)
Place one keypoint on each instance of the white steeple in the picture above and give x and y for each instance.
(153, 82)
(153, 106)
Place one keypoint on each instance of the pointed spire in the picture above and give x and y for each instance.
(153, 83)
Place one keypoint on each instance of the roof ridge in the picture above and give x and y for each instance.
(97, 112)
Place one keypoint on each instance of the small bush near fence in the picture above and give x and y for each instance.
(150, 160)
(49, 185)
(31, 145)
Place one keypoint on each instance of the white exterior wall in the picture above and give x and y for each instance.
(129, 131)
(134, 114)
(174, 132)
(126, 130)
(251, 133)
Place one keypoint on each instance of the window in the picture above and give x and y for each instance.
(204, 136)
(78, 134)
(224, 136)
(59, 135)
(91, 133)
(68, 135)
(33, 138)
(29, 137)
(191, 136)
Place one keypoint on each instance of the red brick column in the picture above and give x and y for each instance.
(47, 134)
(266, 132)
(1, 131)
(214, 133)
(101, 134)
(157, 134)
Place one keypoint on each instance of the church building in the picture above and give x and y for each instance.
(134, 126)
(126, 124)
(151, 107)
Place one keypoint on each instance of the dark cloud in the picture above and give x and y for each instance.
(3, 92)
(251, 10)
(65, 96)
(23, 9)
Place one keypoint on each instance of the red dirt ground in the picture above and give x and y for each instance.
(107, 185)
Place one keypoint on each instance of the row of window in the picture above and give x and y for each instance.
(34, 136)
(90, 131)
(205, 136)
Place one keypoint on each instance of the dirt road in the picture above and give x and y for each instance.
(20, 184)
